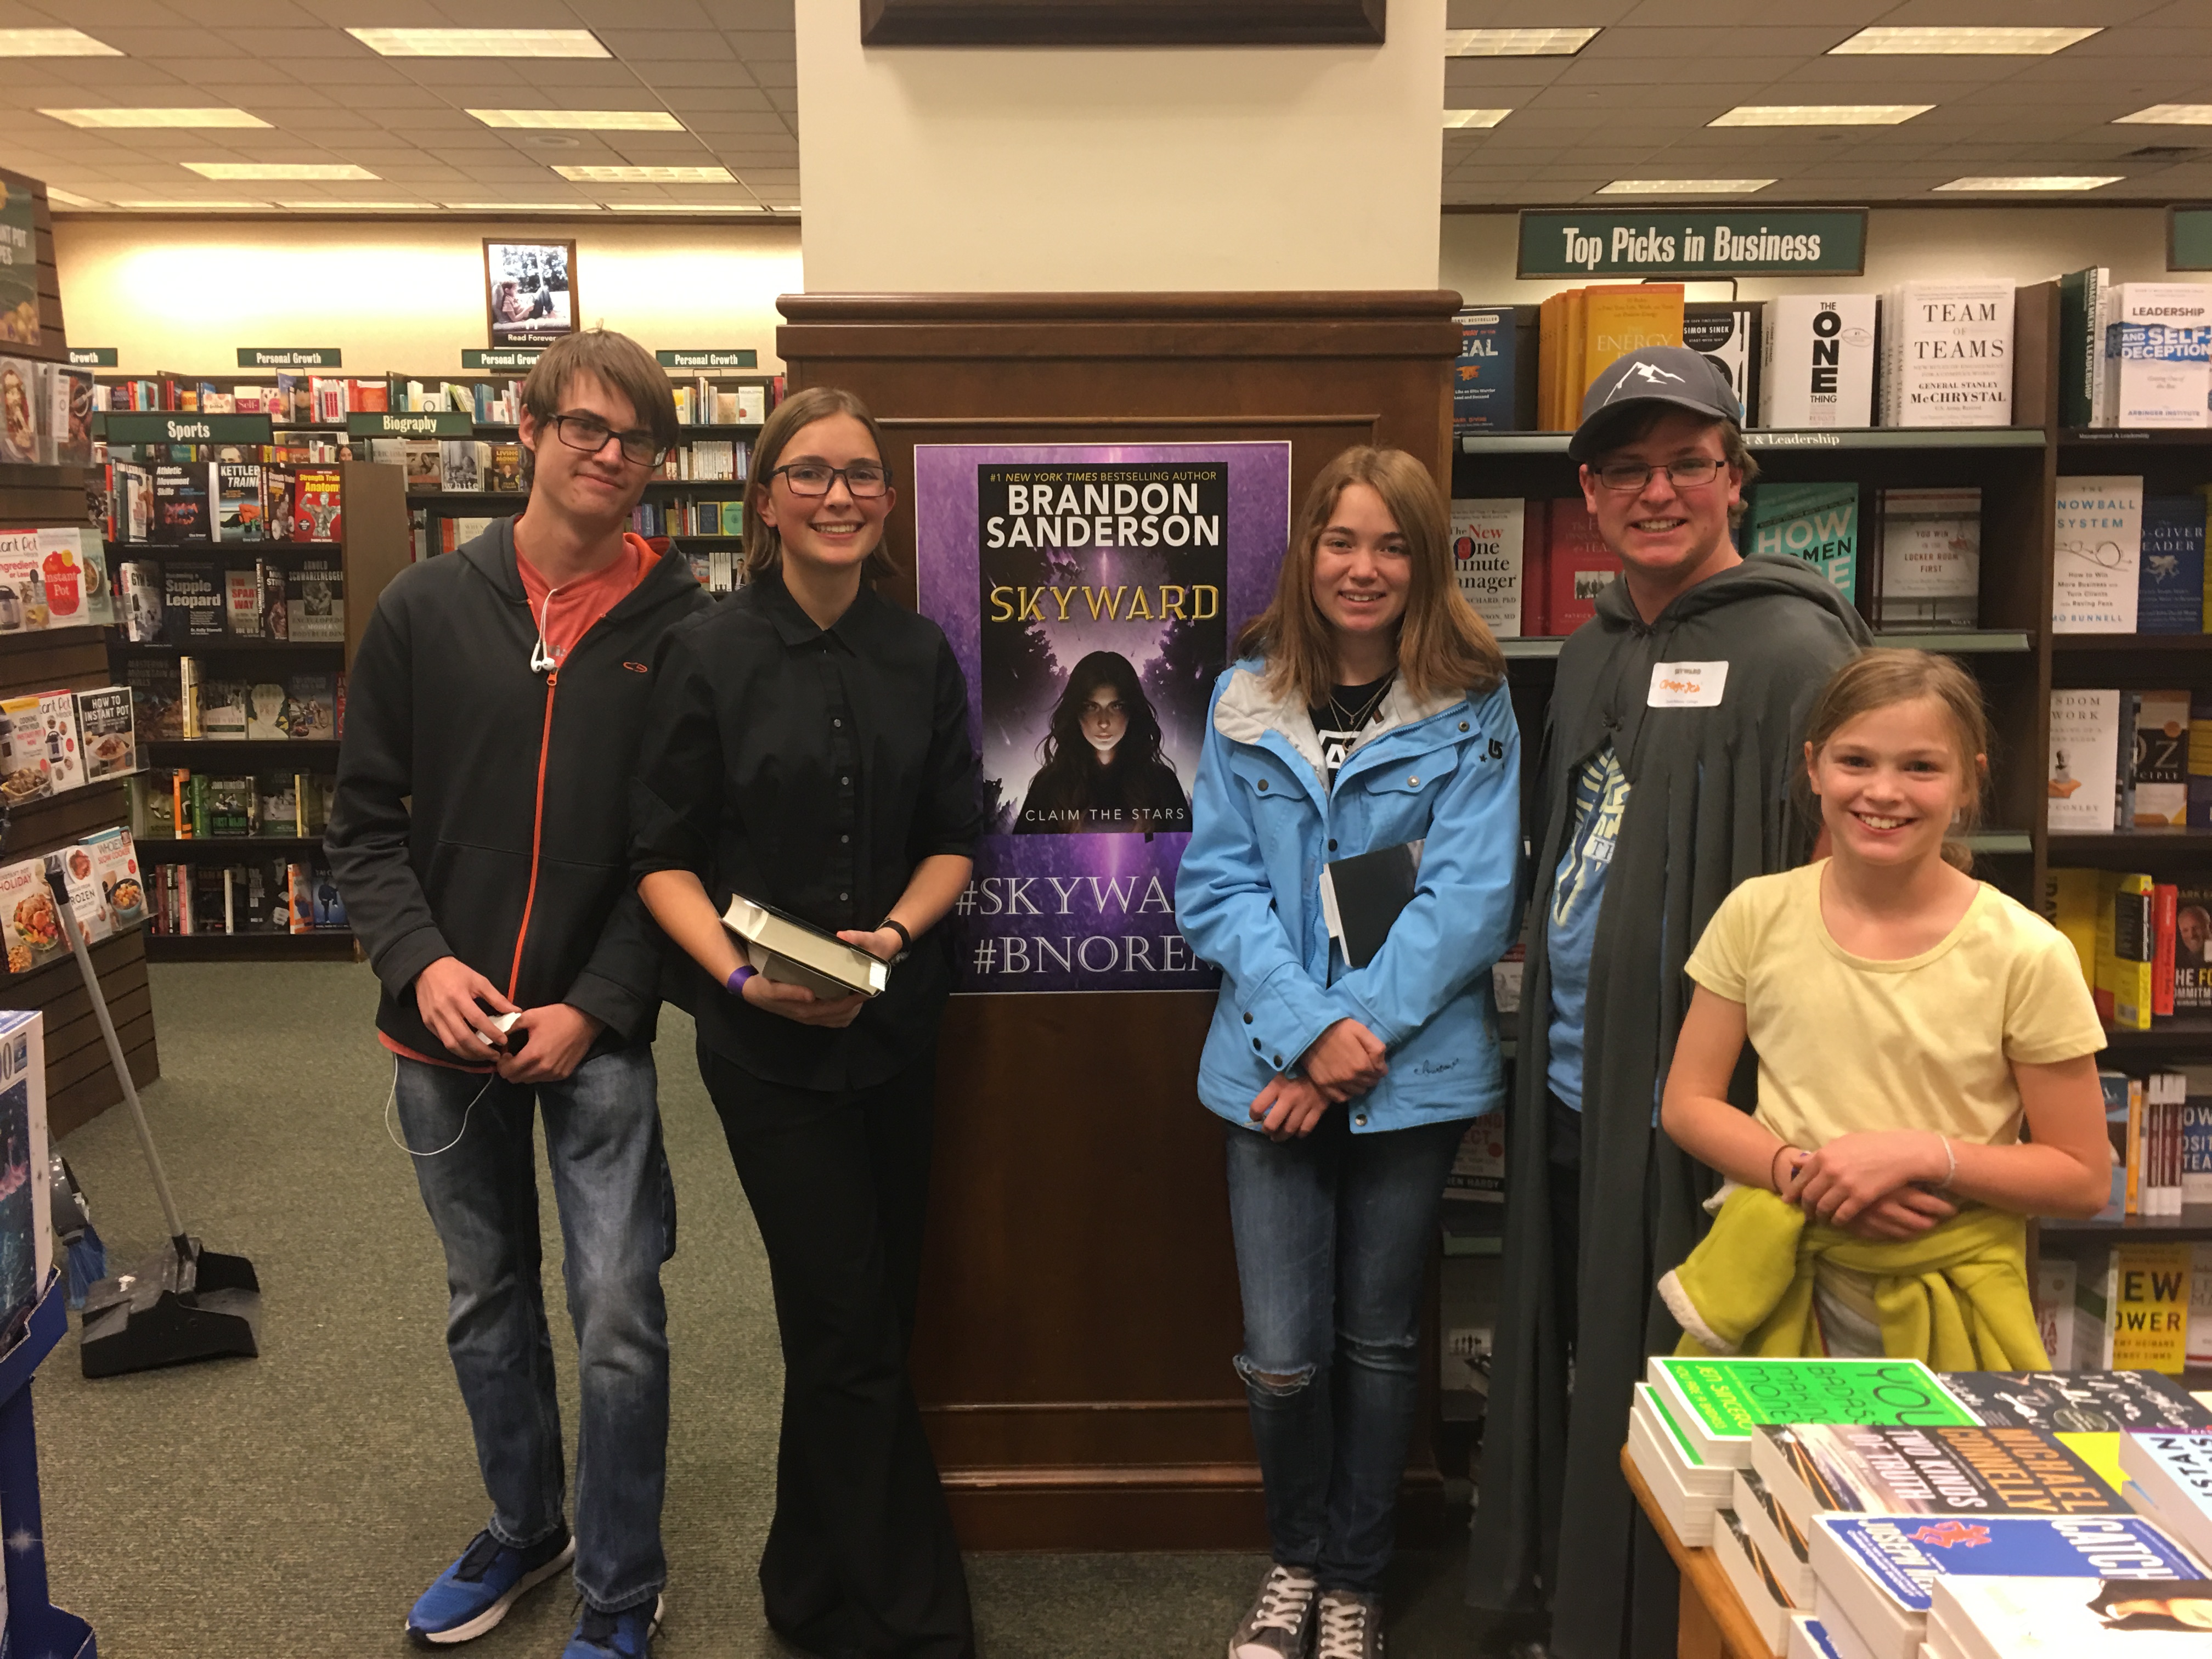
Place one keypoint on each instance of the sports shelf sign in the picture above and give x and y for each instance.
(153, 427)
(1702, 242)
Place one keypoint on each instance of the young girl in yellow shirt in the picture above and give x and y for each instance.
(1908, 1020)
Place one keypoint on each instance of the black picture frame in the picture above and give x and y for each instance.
(543, 272)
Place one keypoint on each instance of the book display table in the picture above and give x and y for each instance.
(1712, 1624)
(34, 1625)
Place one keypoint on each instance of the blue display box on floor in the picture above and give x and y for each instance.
(36, 1628)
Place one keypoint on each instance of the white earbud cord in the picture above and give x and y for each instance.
(391, 1100)
(542, 659)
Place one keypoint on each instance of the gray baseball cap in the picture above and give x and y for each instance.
(1652, 374)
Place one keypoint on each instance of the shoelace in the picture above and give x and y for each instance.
(1284, 1600)
(1343, 1630)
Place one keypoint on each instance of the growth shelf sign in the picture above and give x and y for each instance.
(1700, 243)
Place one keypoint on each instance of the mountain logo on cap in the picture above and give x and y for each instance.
(1645, 374)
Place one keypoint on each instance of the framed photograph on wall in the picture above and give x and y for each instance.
(529, 291)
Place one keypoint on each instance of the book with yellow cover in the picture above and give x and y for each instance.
(2069, 904)
(1573, 381)
(2123, 987)
(1619, 318)
(2146, 1308)
(1550, 347)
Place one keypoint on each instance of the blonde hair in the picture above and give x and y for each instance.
(1442, 645)
(1879, 679)
(763, 545)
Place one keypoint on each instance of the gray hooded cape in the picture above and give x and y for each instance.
(1710, 807)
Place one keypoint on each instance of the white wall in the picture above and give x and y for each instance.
(948, 171)
(2028, 245)
(185, 293)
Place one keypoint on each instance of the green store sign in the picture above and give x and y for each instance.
(709, 358)
(2188, 239)
(172, 426)
(289, 357)
(499, 358)
(92, 357)
(429, 424)
(1700, 242)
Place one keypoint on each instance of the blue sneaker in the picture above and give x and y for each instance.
(625, 1635)
(474, 1594)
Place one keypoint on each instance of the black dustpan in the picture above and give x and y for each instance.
(184, 1303)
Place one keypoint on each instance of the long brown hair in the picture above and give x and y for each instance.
(1877, 679)
(763, 546)
(1442, 644)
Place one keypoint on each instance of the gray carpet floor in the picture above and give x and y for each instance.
(295, 1505)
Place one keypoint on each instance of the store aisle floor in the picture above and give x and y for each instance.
(295, 1504)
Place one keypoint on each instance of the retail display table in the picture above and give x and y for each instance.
(1712, 1624)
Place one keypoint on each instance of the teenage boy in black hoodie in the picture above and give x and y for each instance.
(479, 836)
(1670, 746)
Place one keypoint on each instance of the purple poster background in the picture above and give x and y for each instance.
(1086, 911)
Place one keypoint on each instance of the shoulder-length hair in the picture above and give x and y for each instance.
(1442, 644)
(1065, 754)
(763, 546)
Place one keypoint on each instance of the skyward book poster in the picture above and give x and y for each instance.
(1091, 593)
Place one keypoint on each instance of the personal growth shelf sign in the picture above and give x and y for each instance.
(1701, 242)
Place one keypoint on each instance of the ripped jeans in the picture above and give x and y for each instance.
(1333, 1240)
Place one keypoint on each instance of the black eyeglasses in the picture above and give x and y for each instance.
(590, 434)
(865, 480)
(1694, 473)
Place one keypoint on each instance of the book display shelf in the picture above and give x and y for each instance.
(80, 1082)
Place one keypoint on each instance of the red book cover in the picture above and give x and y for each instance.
(1534, 565)
(2165, 907)
(1578, 565)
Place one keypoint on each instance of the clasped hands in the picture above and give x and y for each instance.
(1874, 1184)
(1345, 1061)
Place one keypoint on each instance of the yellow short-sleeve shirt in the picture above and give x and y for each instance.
(1845, 1043)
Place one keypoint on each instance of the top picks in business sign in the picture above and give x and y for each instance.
(1711, 242)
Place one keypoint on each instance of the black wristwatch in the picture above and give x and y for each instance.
(906, 947)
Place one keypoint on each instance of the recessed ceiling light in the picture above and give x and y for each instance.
(69, 198)
(279, 170)
(481, 43)
(686, 207)
(1474, 117)
(1517, 43)
(2168, 115)
(1683, 186)
(196, 207)
(53, 43)
(581, 120)
(646, 175)
(1818, 115)
(520, 207)
(216, 116)
(1959, 42)
(2049, 181)
(336, 206)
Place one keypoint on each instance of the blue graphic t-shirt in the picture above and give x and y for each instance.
(1601, 799)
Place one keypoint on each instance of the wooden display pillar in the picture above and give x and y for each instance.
(1079, 1309)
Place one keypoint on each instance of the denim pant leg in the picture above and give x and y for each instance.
(474, 1138)
(1390, 1189)
(617, 1222)
(1282, 1212)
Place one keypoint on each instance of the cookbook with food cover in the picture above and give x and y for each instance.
(73, 866)
(73, 569)
(19, 411)
(115, 864)
(27, 922)
(24, 773)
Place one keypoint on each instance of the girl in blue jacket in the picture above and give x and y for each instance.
(1369, 711)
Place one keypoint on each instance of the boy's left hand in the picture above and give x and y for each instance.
(1854, 1171)
(559, 1037)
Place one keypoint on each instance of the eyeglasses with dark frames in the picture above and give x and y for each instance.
(1694, 473)
(589, 434)
(864, 480)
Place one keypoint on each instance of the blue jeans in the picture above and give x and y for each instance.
(617, 1208)
(1333, 1240)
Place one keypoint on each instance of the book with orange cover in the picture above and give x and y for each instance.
(1625, 317)
(1573, 381)
(1551, 346)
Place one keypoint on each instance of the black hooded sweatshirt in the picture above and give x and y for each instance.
(513, 853)
(1709, 807)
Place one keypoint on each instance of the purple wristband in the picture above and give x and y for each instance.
(735, 985)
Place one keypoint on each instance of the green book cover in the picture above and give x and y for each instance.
(1724, 1400)
(1815, 524)
(1683, 1448)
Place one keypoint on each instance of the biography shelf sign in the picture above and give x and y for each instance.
(1091, 593)
(1701, 242)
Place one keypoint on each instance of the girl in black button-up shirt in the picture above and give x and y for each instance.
(807, 746)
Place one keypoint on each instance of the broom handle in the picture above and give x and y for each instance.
(83, 954)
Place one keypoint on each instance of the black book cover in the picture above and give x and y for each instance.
(192, 601)
(1371, 888)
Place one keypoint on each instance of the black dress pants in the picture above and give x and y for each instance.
(860, 1558)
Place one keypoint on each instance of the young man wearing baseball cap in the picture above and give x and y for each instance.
(1672, 743)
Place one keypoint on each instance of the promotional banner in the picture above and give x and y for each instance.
(1091, 593)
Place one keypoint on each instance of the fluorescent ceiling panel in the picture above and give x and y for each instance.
(686, 207)
(196, 207)
(646, 175)
(53, 43)
(1683, 186)
(2168, 115)
(581, 120)
(334, 205)
(1474, 117)
(481, 43)
(295, 170)
(520, 207)
(1818, 115)
(1517, 43)
(2053, 181)
(69, 198)
(1959, 42)
(212, 117)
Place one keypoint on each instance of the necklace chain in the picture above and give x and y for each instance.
(1349, 722)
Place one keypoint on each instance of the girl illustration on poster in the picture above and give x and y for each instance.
(1101, 766)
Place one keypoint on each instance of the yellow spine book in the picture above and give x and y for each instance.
(1573, 381)
(2134, 1158)
(1551, 343)
(2069, 904)
(2130, 962)
(1620, 319)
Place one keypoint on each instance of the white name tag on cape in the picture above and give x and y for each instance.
(1687, 685)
